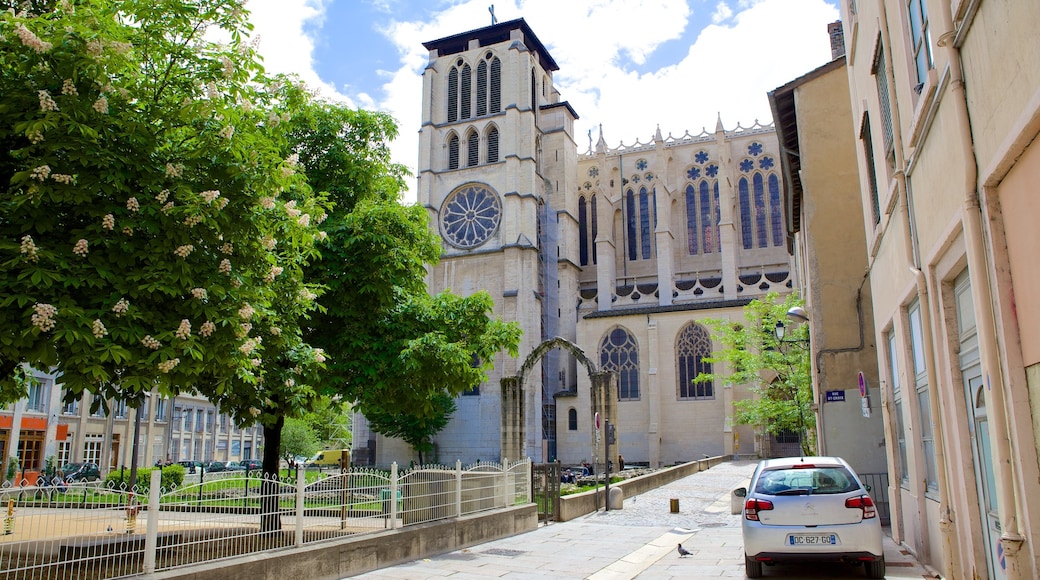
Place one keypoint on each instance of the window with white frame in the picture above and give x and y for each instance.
(161, 403)
(64, 449)
(37, 399)
(70, 407)
(92, 444)
(924, 405)
(920, 40)
(897, 400)
(119, 408)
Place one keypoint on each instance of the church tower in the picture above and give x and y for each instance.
(496, 160)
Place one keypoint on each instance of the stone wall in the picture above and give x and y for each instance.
(364, 553)
(579, 504)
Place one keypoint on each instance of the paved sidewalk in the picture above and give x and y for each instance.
(637, 542)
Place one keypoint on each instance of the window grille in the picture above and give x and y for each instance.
(881, 79)
(868, 154)
(482, 88)
(644, 223)
(496, 86)
(492, 156)
(465, 93)
(745, 213)
(453, 95)
(706, 228)
(760, 210)
(453, 152)
(472, 151)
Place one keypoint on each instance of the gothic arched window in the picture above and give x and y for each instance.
(595, 228)
(492, 144)
(572, 419)
(691, 347)
(760, 211)
(496, 86)
(453, 151)
(691, 219)
(745, 213)
(644, 223)
(707, 230)
(774, 207)
(619, 353)
(583, 232)
(472, 151)
(465, 93)
(482, 88)
(453, 95)
(630, 205)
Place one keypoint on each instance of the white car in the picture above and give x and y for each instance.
(809, 509)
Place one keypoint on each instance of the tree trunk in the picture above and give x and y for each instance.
(270, 520)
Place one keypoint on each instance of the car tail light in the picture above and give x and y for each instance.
(864, 503)
(753, 506)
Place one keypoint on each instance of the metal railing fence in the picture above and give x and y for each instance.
(90, 531)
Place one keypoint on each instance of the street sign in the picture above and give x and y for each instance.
(835, 396)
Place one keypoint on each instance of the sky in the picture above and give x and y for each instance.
(628, 66)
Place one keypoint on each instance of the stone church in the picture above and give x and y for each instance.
(623, 252)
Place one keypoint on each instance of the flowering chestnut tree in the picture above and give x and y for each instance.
(152, 229)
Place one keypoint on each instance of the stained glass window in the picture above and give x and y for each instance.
(706, 228)
(760, 211)
(774, 207)
(691, 220)
(630, 205)
(691, 348)
(619, 353)
(583, 229)
(744, 196)
(644, 223)
(470, 216)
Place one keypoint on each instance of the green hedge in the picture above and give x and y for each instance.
(172, 477)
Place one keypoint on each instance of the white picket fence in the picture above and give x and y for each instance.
(93, 532)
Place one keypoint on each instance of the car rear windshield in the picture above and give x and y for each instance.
(806, 481)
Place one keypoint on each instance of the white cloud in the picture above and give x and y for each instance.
(601, 47)
(284, 45)
(722, 13)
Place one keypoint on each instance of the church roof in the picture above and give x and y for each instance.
(494, 34)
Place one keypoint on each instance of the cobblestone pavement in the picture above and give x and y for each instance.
(638, 541)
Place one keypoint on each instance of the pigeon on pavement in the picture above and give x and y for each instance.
(684, 552)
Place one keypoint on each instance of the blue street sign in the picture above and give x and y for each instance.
(835, 396)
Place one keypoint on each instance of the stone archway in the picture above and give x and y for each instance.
(603, 395)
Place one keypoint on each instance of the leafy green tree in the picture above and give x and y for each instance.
(330, 421)
(415, 429)
(152, 231)
(392, 347)
(298, 438)
(778, 371)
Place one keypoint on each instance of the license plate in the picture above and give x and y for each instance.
(812, 539)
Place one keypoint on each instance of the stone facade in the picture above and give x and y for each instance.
(623, 251)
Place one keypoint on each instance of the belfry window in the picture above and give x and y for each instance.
(472, 151)
(453, 152)
(453, 95)
(492, 141)
(465, 93)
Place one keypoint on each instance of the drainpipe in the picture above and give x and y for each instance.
(946, 529)
(1011, 539)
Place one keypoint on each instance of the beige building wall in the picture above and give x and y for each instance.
(950, 269)
(814, 115)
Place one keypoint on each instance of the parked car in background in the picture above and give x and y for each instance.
(190, 466)
(251, 464)
(809, 509)
(81, 472)
(219, 466)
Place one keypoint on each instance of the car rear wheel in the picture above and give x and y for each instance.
(875, 569)
(752, 567)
